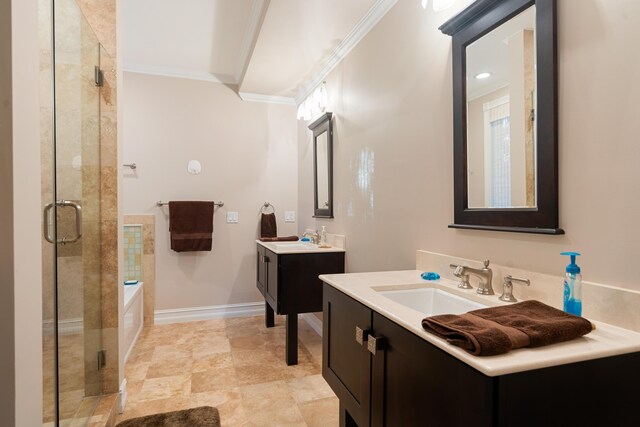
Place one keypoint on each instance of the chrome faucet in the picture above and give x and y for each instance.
(485, 275)
(313, 235)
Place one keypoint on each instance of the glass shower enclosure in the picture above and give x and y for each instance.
(71, 204)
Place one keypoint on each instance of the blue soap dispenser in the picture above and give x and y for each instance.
(572, 286)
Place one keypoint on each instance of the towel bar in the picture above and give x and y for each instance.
(161, 203)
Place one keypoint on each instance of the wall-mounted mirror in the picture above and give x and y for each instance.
(505, 123)
(322, 166)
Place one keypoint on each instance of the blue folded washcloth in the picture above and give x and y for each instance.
(430, 275)
(130, 282)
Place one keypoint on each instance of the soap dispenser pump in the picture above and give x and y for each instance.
(572, 286)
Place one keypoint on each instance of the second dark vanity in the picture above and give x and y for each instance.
(287, 277)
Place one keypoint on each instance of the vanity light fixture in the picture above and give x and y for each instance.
(438, 5)
(482, 76)
(314, 105)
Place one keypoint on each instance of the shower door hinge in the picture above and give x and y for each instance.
(102, 359)
(99, 76)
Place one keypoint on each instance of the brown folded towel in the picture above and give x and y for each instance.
(497, 330)
(279, 239)
(191, 225)
(268, 227)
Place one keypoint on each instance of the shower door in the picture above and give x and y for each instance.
(71, 222)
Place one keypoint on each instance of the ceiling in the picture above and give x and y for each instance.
(490, 54)
(273, 50)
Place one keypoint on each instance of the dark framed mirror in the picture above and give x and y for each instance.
(505, 116)
(322, 166)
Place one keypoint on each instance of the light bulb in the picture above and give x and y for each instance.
(424, 3)
(439, 5)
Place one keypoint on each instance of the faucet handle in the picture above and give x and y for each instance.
(458, 271)
(486, 263)
(507, 291)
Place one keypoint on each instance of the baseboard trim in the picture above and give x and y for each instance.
(122, 396)
(314, 322)
(163, 317)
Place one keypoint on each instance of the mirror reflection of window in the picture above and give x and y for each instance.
(501, 86)
(497, 144)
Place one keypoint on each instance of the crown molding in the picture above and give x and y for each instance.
(179, 73)
(375, 13)
(258, 97)
(256, 17)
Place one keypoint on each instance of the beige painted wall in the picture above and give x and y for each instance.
(248, 155)
(26, 304)
(393, 147)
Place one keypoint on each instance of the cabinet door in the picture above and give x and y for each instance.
(346, 364)
(416, 384)
(271, 287)
(299, 286)
(261, 269)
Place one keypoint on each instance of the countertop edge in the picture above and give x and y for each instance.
(317, 250)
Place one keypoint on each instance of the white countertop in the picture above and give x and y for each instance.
(297, 247)
(606, 340)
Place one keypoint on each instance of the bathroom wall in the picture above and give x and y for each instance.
(394, 157)
(21, 291)
(248, 153)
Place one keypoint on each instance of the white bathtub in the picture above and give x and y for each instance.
(133, 315)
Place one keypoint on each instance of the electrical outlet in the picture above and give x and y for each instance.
(232, 217)
(289, 216)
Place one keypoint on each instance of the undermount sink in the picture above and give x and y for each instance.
(431, 301)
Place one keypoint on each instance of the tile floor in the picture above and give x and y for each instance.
(236, 365)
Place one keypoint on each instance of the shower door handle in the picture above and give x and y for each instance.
(47, 221)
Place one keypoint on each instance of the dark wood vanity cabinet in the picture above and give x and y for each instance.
(409, 382)
(290, 285)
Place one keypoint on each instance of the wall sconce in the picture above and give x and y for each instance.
(438, 5)
(314, 105)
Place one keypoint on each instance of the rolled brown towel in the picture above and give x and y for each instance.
(280, 239)
(268, 226)
(497, 330)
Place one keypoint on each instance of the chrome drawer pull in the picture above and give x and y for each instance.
(374, 344)
(361, 335)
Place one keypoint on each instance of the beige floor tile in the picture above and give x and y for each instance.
(321, 413)
(170, 367)
(215, 361)
(214, 379)
(170, 352)
(136, 371)
(214, 345)
(250, 342)
(279, 409)
(165, 387)
(260, 373)
(309, 388)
